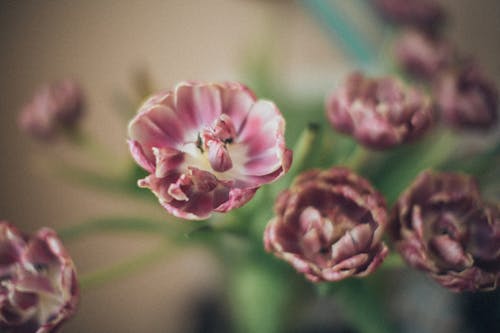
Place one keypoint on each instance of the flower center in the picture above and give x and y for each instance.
(215, 140)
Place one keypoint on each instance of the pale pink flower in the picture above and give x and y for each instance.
(329, 225)
(38, 286)
(54, 107)
(208, 147)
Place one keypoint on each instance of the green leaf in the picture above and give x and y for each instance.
(258, 297)
(360, 304)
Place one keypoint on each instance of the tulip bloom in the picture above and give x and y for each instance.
(379, 113)
(38, 286)
(329, 226)
(441, 226)
(53, 108)
(466, 98)
(208, 147)
(421, 55)
(427, 15)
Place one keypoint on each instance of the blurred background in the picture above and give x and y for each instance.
(103, 44)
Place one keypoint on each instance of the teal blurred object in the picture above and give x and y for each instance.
(340, 26)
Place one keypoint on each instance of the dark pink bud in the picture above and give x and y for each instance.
(38, 287)
(208, 147)
(54, 107)
(422, 55)
(218, 156)
(379, 113)
(466, 98)
(441, 226)
(329, 226)
(427, 15)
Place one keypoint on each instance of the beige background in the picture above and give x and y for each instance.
(101, 43)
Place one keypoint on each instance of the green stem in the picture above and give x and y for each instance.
(126, 224)
(304, 149)
(393, 261)
(303, 152)
(358, 158)
(123, 269)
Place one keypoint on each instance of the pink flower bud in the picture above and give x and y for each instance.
(208, 147)
(466, 98)
(329, 226)
(379, 113)
(441, 226)
(427, 15)
(54, 107)
(38, 286)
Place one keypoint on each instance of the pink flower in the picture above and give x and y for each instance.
(38, 286)
(208, 147)
(54, 107)
(422, 55)
(379, 112)
(426, 15)
(442, 226)
(329, 226)
(467, 98)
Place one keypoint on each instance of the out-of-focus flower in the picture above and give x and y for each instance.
(329, 225)
(379, 113)
(38, 286)
(466, 98)
(441, 226)
(54, 107)
(208, 147)
(427, 15)
(422, 55)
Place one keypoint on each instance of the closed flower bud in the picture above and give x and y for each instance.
(427, 15)
(38, 287)
(53, 108)
(466, 98)
(329, 226)
(441, 226)
(379, 113)
(208, 147)
(422, 55)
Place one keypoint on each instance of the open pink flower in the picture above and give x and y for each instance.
(38, 286)
(208, 147)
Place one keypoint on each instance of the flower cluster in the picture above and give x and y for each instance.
(208, 147)
(329, 225)
(38, 287)
(465, 97)
(442, 226)
(54, 107)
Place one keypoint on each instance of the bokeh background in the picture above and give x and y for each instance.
(103, 44)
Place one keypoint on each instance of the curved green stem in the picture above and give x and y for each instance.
(122, 269)
(126, 224)
(303, 151)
